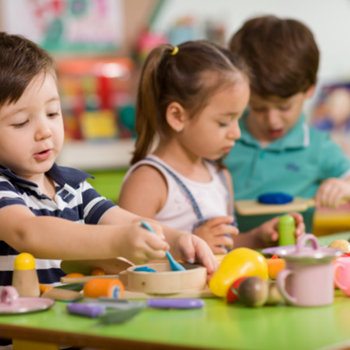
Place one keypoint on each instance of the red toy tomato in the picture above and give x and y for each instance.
(232, 294)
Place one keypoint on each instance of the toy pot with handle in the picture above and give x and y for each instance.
(308, 277)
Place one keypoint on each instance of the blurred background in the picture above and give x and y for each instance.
(99, 46)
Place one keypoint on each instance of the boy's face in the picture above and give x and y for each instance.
(31, 129)
(271, 119)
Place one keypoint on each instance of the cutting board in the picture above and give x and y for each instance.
(253, 207)
(203, 293)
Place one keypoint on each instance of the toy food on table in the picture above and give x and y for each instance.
(237, 263)
(341, 244)
(102, 287)
(275, 266)
(286, 230)
(253, 291)
(232, 294)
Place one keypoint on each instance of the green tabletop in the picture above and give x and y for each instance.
(216, 326)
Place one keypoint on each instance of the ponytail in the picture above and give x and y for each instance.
(148, 118)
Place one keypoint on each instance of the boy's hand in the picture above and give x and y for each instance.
(213, 230)
(194, 249)
(331, 192)
(140, 245)
(268, 232)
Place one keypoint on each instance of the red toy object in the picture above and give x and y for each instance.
(274, 256)
(232, 294)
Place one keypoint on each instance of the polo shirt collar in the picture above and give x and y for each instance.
(297, 137)
(61, 175)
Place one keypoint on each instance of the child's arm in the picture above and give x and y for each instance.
(54, 238)
(332, 191)
(183, 245)
(213, 230)
(267, 233)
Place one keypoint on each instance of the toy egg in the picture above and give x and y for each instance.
(253, 291)
(341, 244)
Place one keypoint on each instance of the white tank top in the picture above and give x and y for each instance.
(178, 212)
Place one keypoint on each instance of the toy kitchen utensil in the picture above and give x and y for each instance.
(308, 277)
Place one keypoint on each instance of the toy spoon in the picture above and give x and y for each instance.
(175, 266)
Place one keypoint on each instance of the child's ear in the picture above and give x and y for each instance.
(176, 116)
(310, 91)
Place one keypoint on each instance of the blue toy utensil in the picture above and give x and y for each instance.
(175, 266)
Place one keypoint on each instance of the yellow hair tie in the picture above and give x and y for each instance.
(175, 51)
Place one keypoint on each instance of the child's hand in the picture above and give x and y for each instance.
(194, 249)
(213, 230)
(268, 232)
(139, 245)
(331, 192)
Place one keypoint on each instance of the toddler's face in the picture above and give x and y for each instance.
(31, 129)
(270, 119)
(214, 130)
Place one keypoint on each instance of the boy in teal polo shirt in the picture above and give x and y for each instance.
(278, 151)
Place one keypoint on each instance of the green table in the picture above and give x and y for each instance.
(216, 326)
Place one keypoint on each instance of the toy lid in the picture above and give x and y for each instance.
(11, 303)
(307, 253)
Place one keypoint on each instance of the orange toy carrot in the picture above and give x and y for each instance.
(103, 287)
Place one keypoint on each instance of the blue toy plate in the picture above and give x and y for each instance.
(275, 198)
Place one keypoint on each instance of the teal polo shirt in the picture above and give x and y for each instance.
(296, 164)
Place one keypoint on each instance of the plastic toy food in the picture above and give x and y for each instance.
(74, 275)
(103, 287)
(98, 272)
(341, 244)
(237, 263)
(253, 291)
(232, 294)
(274, 296)
(275, 266)
(286, 229)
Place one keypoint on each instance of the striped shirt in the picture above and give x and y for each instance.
(75, 200)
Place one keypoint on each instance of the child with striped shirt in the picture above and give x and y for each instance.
(51, 211)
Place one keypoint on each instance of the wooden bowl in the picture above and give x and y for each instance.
(165, 281)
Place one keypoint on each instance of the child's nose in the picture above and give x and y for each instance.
(234, 132)
(43, 130)
(272, 116)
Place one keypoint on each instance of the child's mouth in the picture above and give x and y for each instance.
(276, 133)
(43, 155)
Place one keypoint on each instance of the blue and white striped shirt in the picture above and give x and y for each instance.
(75, 200)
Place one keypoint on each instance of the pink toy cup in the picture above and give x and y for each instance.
(308, 277)
(342, 275)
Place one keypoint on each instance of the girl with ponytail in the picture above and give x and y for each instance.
(189, 101)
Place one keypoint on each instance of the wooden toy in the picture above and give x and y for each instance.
(274, 296)
(25, 277)
(166, 281)
(102, 287)
(253, 207)
(253, 291)
(341, 244)
(237, 263)
(232, 294)
(286, 230)
(62, 294)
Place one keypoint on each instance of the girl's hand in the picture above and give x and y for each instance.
(268, 232)
(213, 230)
(140, 245)
(194, 249)
(331, 192)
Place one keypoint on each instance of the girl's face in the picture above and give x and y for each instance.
(212, 132)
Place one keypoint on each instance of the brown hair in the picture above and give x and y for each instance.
(282, 55)
(20, 61)
(178, 77)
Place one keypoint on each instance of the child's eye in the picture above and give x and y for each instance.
(52, 115)
(284, 108)
(19, 125)
(223, 124)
